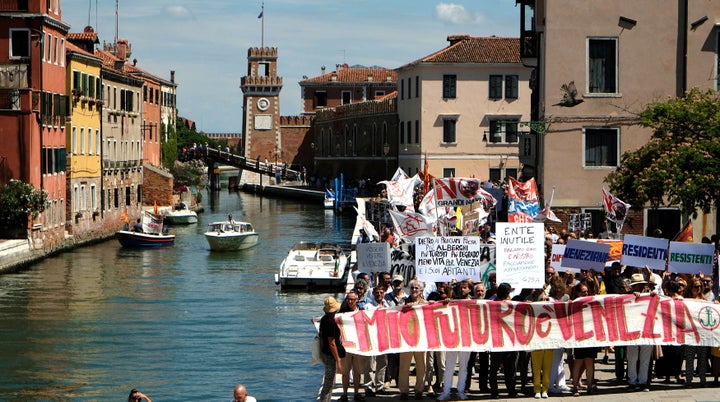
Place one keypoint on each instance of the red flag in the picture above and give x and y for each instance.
(686, 233)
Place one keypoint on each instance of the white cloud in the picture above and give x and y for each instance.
(453, 13)
(177, 11)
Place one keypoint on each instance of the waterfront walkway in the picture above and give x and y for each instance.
(608, 391)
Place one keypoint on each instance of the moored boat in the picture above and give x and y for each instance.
(226, 236)
(180, 216)
(314, 266)
(329, 201)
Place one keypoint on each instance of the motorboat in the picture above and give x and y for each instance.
(132, 239)
(314, 266)
(149, 234)
(231, 236)
(329, 201)
(180, 215)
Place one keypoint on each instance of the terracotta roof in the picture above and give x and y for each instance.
(472, 49)
(346, 74)
(389, 95)
(73, 48)
(88, 34)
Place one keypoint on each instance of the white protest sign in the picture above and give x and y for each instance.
(585, 255)
(442, 259)
(691, 258)
(556, 258)
(373, 257)
(520, 254)
(639, 251)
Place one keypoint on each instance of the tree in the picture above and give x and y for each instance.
(18, 200)
(680, 165)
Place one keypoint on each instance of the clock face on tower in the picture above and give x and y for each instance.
(263, 104)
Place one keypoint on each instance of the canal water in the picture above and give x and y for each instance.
(179, 323)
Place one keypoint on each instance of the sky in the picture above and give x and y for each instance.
(206, 42)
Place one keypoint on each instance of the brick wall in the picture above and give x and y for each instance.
(157, 187)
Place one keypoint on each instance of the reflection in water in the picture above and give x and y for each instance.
(178, 323)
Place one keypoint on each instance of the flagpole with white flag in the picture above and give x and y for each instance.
(262, 25)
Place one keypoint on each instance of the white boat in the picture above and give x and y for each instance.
(180, 216)
(329, 201)
(314, 266)
(224, 236)
(149, 233)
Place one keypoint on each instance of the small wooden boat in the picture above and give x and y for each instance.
(144, 240)
(148, 235)
(226, 236)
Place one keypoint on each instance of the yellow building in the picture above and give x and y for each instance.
(84, 142)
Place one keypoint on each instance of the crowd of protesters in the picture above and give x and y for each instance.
(539, 373)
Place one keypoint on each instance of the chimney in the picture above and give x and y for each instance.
(122, 48)
(370, 77)
(322, 70)
(453, 39)
(172, 76)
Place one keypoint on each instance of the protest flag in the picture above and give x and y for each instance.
(616, 210)
(686, 233)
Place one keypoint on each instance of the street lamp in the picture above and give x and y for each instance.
(386, 151)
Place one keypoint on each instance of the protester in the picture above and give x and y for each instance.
(332, 348)
(541, 362)
(508, 359)
(694, 292)
(378, 363)
(352, 361)
(584, 358)
(638, 356)
(453, 357)
(240, 394)
(413, 299)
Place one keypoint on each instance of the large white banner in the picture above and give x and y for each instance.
(373, 257)
(585, 255)
(691, 258)
(520, 254)
(442, 259)
(484, 325)
(639, 251)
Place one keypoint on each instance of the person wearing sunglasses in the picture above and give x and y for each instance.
(694, 291)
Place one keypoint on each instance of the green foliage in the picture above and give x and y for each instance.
(192, 172)
(186, 137)
(169, 147)
(18, 200)
(680, 164)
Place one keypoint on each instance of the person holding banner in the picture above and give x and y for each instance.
(351, 361)
(414, 299)
(378, 363)
(694, 292)
(508, 360)
(638, 356)
(670, 364)
(584, 358)
(453, 357)
(541, 362)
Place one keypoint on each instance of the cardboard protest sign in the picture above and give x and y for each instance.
(585, 255)
(373, 257)
(691, 258)
(556, 257)
(639, 251)
(485, 325)
(520, 254)
(442, 259)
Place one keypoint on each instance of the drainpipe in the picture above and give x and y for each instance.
(682, 34)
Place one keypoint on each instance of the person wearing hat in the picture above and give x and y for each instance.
(508, 360)
(332, 347)
(397, 295)
(638, 356)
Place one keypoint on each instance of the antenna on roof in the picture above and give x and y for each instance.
(116, 22)
(89, 10)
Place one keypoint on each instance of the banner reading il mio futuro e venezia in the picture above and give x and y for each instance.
(484, 325)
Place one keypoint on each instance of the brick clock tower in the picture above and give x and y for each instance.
(261, 99)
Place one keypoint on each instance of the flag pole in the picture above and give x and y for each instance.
(262, 25)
